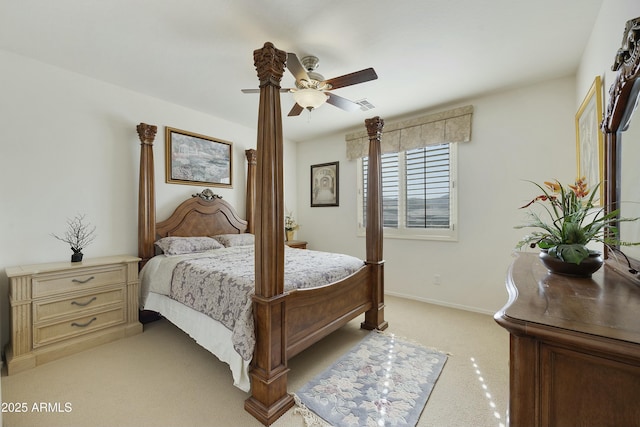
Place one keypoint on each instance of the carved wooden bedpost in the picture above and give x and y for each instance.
(146, 193)
(269, 398)
(374, 318)
(252, 160)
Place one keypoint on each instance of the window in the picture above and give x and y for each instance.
(418, 193)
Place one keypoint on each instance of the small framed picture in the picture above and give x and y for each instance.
(193, 159)
(325, 184)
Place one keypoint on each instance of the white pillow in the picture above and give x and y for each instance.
(229, 240)
(187, 245)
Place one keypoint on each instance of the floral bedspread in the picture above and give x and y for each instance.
(219, 283)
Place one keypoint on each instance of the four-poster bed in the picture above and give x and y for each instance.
(286, 322)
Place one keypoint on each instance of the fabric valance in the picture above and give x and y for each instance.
(447, 126)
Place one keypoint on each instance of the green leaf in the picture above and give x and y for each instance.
(574, 253)
(545, 244)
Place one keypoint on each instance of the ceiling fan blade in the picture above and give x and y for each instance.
(340, 102)
(296, 110)
(353, 78)
(295, 66)
(282, 90)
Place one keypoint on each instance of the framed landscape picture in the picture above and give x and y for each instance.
(194, 159)
(325, 184)
(589, 139)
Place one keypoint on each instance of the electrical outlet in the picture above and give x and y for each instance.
(437, 280)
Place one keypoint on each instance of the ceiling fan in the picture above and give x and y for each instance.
(312, 90)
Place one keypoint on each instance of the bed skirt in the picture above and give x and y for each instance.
(207, 332)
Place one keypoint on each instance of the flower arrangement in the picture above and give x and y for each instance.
(573, 222)
(78, 235)
(290, 223)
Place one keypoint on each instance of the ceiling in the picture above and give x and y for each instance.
(199, 53)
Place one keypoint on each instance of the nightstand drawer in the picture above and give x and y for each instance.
(43, 335)
(77, 280)
(46, 310)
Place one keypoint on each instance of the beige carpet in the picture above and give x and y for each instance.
(162, 378)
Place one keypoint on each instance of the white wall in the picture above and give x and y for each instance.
(69, 145)
(522, 134)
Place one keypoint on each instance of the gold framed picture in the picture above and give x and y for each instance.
(194, 159)
(589, 139)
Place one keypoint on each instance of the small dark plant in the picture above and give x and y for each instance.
(78, 234)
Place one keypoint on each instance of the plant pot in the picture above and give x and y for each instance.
(290, 235)
(586, 268)
(76, 257)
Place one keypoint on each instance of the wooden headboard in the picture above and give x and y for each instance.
(204, 214)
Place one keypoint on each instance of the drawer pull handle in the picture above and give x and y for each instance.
(84, 304)
(84, 325)
(83, 281)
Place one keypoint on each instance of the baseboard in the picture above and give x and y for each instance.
(441, 303)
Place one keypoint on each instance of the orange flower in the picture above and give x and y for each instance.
(553, 186)
(580, 188)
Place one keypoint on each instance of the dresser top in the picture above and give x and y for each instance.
(606, 305)
(27, 269)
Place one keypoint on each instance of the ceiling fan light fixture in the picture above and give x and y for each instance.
(309, 98)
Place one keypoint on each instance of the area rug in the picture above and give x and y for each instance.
(382, 381)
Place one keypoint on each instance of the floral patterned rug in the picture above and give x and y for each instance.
(383, 381)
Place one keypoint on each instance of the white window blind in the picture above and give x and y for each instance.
(428, 182)
(390, 190)
(419, 162)
(418, 197)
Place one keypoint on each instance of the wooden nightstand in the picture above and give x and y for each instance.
(61, 308)
(299, 244)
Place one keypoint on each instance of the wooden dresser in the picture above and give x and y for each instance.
(62, 308)
(575, 347)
